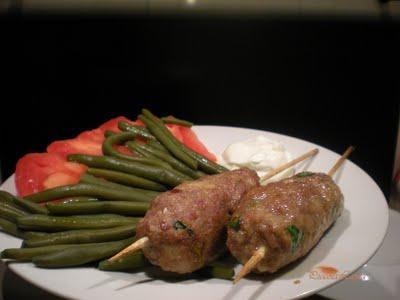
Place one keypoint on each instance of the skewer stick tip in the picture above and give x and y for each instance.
(251, 263)
(290, 164)
(137, 245)
(341, 160)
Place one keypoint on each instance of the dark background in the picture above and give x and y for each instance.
(331, 81)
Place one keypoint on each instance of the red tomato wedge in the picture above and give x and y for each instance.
(95, 135)
(67, 147)
(123, 150)
(113, 124)
(190, 140)
(176, 131)
(36, 172)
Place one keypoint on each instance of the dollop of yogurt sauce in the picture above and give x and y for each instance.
(258, 153)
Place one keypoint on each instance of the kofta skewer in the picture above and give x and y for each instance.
(184, 228)
(270, 218)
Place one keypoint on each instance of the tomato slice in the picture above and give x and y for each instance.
(95, 135)
(66, 147)
(176, 131)
(123, 150)
(113, 124)
(191, 140)
(36, 172)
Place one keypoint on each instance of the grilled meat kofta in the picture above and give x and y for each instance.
(186, 226)
(287, 217)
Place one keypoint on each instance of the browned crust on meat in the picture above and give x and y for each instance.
(204, 206)
(311, 203)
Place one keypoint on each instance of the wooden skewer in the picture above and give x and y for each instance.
(139, 244)
(341, 160)
(260, 253)
(251, 263)
(289, 164)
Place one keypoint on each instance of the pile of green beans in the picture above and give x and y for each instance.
(94, 219)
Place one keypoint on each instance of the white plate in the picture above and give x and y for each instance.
(380, 277)
(353, 239)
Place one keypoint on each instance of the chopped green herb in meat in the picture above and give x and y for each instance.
(296, 236)
(234, 224)
(179, 225)
(304, 174)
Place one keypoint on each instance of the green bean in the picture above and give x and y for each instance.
(121, 138)
(168, 158)
(94, 190)
(26, 205)
(77, 256)
(12, 229)
(108, 133)
(132, 145)
(204, 164)
(9, 227)
(26, 254)
(77, 199)
(90, 179)
(166, 138)
(159, 154)
(217, 271)
(83, 236)
(125, 137)
(125, 208)
(7, 198)
(150, 172)
(9, 212)
(173, 120)
(137, 130)
(157, 145)
(129, 261)
(53, 224)
(127, 179)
